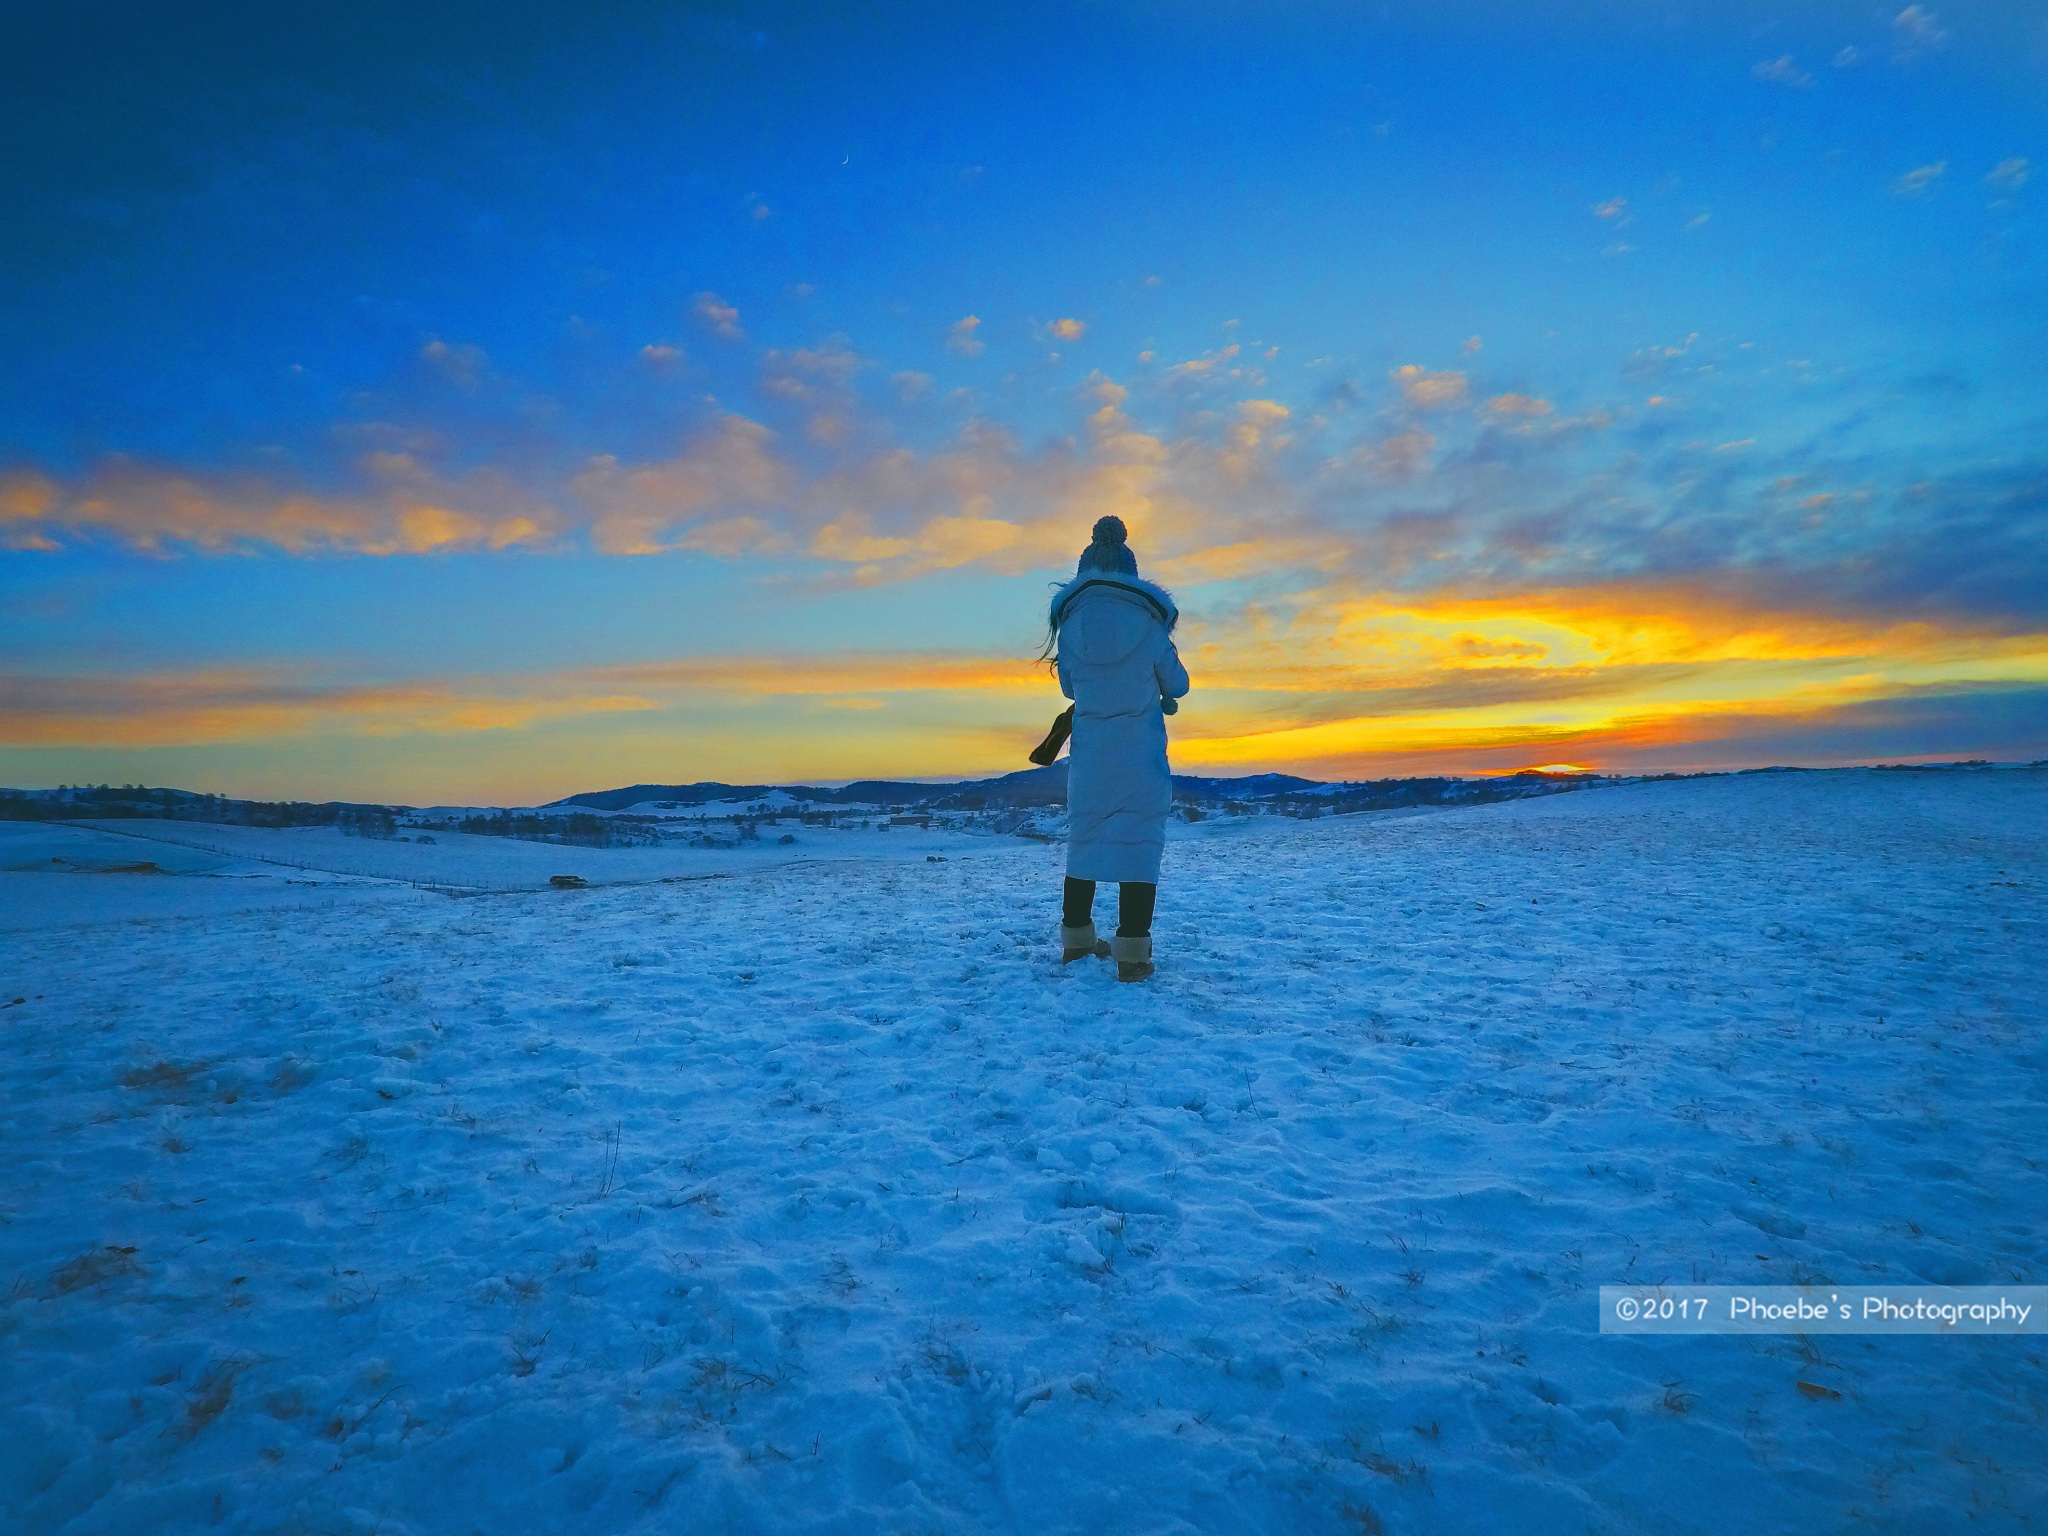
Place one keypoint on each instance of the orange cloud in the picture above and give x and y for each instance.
(1331, 683)
(1208, 363)
(253, 704)
(1429, 391)
(653, 508)
(1220, 498)
(211, 705)
(405, 509)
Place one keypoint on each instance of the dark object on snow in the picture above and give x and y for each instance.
(1048, 749)
(567, 882)
(786, 839)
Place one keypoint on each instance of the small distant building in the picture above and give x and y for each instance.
(914, 820)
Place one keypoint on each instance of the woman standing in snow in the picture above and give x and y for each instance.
(1113, 636)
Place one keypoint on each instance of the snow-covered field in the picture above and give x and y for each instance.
(467, 862)
(822, 1199)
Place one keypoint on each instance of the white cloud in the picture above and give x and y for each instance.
(1782, 71)
(1613, 208)
(1917, 181)
(1402, 456)
(961, 337)
(1196, 367)
(1849, 57)
(2008, 175)
(817, 375)
(655, 355)
(1429, 391)
(1068, 330)
(462, 364)
(1917, 30)
(690, 501)
(723, 318)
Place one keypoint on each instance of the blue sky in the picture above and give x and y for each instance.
(449, 402)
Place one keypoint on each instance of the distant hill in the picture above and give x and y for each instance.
(1031, 786)
(1000, 802)
(1034, 787)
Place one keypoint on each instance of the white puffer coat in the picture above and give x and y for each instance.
(1116, 662)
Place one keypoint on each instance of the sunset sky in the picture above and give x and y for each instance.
(458, 403)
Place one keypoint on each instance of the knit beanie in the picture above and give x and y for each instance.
(1107, 550)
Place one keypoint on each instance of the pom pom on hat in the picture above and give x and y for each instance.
(1108, 551)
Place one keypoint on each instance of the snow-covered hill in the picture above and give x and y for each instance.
(823, 1199)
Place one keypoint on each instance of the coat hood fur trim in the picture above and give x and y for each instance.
(1157, 597)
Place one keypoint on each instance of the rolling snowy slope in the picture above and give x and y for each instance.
(822, 1199)
(460, 861)
(63, 876)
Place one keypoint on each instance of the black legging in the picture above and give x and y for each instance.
(1134, 899)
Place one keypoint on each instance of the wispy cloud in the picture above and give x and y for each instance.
(206, 705)
(1208, 363)
(404, 508)
(212, 705)
(1915, 30)
(1782, 71)
(962, 338)
(463, 365)
(811, 375)
(2008, 175)
(1519, 494)
(1429, 391)
(721, 318)
(1331, 680)
(709, 496)
(1917, 181)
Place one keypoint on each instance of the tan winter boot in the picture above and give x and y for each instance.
(1133, 958)
(1079, 943)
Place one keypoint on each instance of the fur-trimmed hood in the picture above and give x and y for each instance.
(1157, 598)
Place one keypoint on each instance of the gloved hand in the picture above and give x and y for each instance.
(1169, 706)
